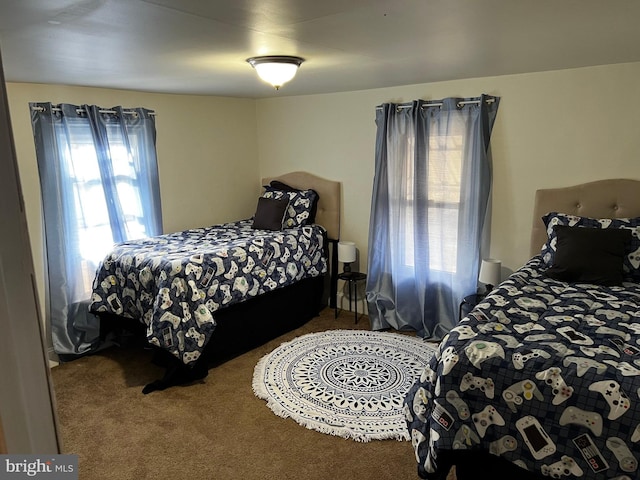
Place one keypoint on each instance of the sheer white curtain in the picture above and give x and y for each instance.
(99, 184)
(430, 195)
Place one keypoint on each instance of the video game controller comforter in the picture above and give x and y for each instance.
(174, 283)
(543, 373)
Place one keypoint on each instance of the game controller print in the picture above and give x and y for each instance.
(520, 391)
(564, 467)
(461, 407)
(602, 349)
(487, 417)
(449, 359)
(509, 340)
(465, 437)
(471, 382)
(626, 460)
(507, 443)
(618, 401)
(552, 376)
(520, 358)
(464, 332)
(478, 351)
(625, 368)
(584, 364)
(576, 416)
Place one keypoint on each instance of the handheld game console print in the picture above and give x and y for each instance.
(535, 437)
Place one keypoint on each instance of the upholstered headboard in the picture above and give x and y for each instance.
(329, 192)
(615, 198)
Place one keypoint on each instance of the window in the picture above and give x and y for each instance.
(99, 183)
(91, 219)
(429, 205)
(443, 178)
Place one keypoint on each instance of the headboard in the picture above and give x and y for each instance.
(329, 192)
(614, 198)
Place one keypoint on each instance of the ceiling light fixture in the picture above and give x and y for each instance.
(276, 69)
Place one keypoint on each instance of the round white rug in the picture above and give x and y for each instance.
(349, 383)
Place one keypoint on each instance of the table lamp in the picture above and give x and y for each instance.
(347, 254)
(490, 273)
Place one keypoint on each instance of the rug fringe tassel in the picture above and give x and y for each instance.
(335, 431)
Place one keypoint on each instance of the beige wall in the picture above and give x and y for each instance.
(552, 129)
(207, 154)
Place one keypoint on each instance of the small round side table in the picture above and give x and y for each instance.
(468, 303)
(352, 279)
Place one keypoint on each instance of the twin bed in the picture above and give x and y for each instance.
(542, 378)
(206, 294)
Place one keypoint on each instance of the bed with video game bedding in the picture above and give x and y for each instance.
(180, 285)
(542, 378)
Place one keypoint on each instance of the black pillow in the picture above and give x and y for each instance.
(589, 255)
(278, 185)
(270, 213)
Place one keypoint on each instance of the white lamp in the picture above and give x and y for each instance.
(347, 254)
(276, 69)
(490, 273)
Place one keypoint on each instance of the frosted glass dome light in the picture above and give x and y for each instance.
(276, 69)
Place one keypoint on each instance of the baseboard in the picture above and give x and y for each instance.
(54, 361)
(343, 303)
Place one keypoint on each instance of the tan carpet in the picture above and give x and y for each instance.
(215, 429)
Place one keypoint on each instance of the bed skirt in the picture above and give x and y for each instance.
(473, 464)
(239, 328)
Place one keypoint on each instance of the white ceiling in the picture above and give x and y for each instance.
(200, 46)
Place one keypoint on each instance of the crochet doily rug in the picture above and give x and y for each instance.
(349, 383)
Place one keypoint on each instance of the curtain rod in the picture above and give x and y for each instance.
(81, 110)
(439, 104)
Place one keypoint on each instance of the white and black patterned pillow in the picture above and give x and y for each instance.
(631, 264)
(300, 206)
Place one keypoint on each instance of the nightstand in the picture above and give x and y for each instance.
(352, 279)
(468, 303)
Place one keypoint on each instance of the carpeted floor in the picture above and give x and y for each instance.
(215, 429)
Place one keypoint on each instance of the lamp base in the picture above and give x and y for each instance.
(346, 268)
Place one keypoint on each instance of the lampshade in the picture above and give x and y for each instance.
(490, 271)
(347, 252)
(276, 69)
